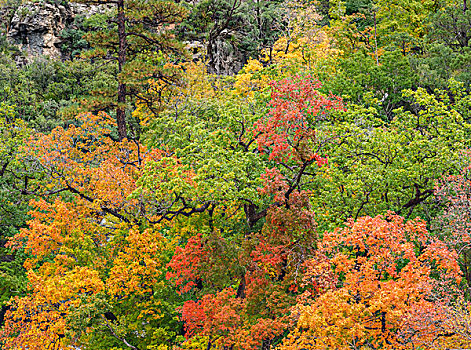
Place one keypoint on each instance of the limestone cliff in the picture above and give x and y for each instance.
(36, 27)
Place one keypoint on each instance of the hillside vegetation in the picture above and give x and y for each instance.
(236, 175)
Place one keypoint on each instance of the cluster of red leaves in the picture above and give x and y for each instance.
(455, 192)
(289, 129)
(274, 184)
(256, 307)
(222, 318)
(185, 266)
(213, 314)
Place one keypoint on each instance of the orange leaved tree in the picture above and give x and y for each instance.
(96, 263)
(379, 283)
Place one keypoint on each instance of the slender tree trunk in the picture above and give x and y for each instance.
(121, 109)
(376, 41)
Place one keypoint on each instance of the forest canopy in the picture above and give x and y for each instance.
(236, 175)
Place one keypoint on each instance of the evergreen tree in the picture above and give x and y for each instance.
(137, 35)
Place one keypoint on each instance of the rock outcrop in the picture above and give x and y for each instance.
(36, 27)
(223, 56)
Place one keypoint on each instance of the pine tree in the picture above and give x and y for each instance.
(138, 37)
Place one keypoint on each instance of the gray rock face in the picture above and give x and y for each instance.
(35, 27)
(223, 56)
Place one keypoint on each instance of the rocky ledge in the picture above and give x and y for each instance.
(36, 26)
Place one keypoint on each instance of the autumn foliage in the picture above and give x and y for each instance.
(297, 105)
(239, 219)
(380, 282)
(87, 255)
(125, 240)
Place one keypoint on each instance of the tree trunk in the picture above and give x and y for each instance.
(121, 108)
(376, 40)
